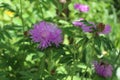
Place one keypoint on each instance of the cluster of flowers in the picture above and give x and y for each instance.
(91, 27)
(103, 69)
(47, 33)
(100, 28)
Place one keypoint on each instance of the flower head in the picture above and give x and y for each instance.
(89, 27)
(81, 7)
(103, 29)
(103, 69)
(92, 27)
(9, 13)
(85, 27)
(78, 22)
(46, 33)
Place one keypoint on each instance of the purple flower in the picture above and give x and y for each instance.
(92, 27)
(103, 69)
(103, 29)
(106, 30)
(81, 7)
(78, 23)
(83, 26)
(86, 28)
(89, 28)
(46, 33)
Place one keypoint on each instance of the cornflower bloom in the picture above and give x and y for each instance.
(103, 69)
(46, 33)
(103, 29)
(81, 7)
(85, 27)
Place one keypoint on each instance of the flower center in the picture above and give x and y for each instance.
(44, 34)
(101, 27)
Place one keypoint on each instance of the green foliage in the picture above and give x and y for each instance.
(20, 59)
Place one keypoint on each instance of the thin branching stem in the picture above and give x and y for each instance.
(21, 16)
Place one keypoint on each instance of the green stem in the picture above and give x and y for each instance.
(42, 67)
(50, 61)
(40, 8)
(21, 15)
(75, 61)
(74, 64)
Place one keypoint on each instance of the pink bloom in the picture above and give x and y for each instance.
(106, 30)
(77, 22)
(103, 69)
(103, 29)
(91, 27)
(86, 28)
(46, 34)
(81, 7)
(83, 26)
